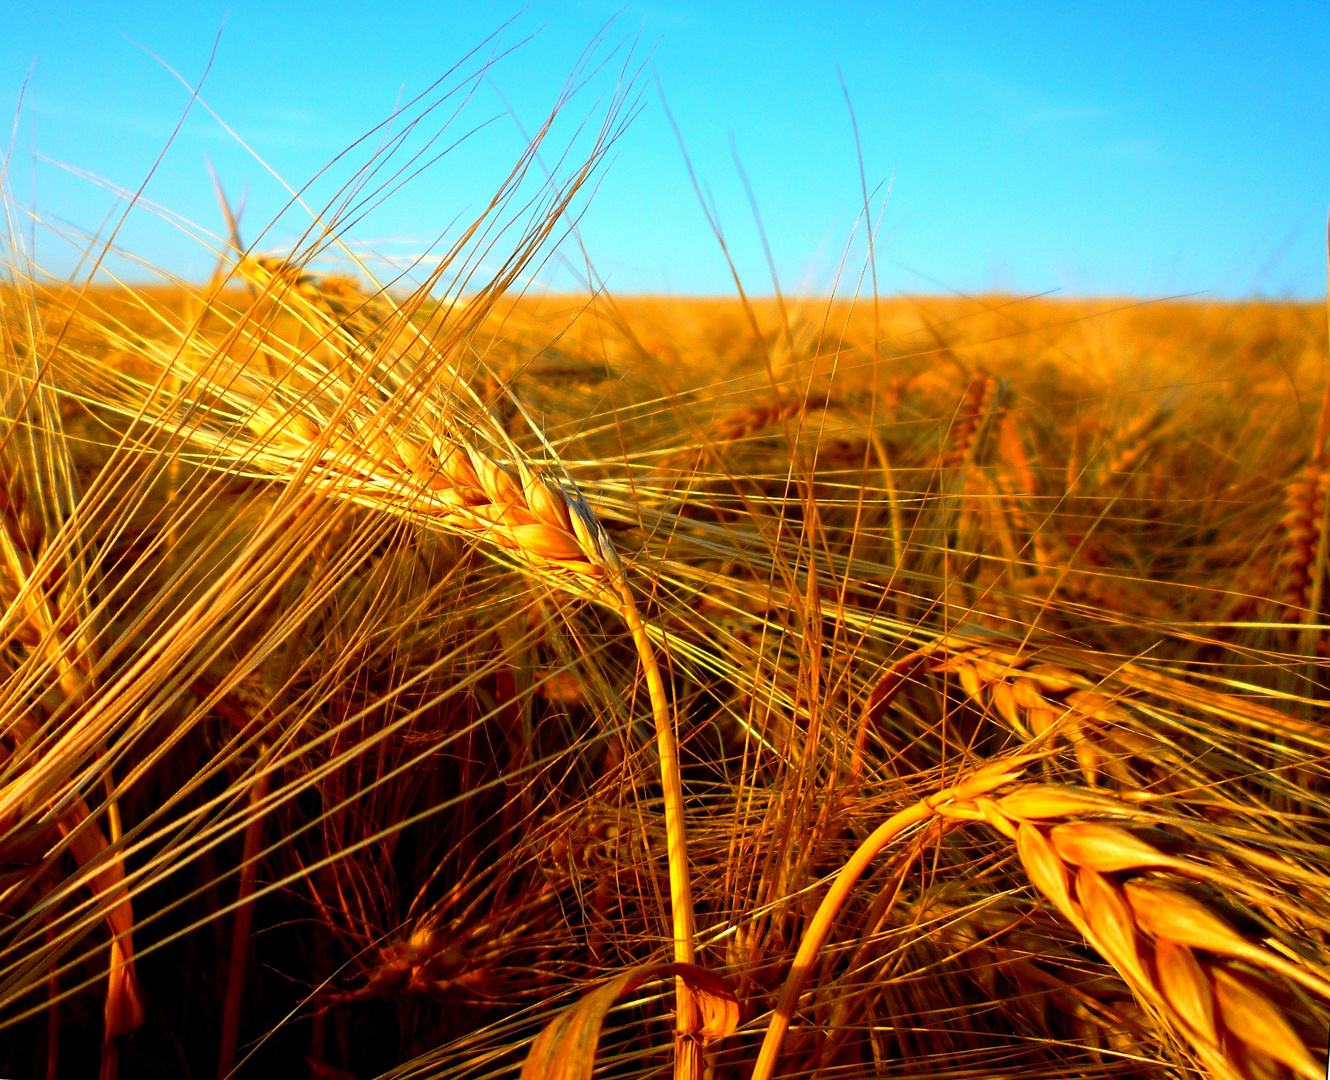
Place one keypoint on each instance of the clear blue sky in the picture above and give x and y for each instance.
(1091, 148)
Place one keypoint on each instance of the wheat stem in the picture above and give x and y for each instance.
(240, 931)
(815, 935)
(687, 1062)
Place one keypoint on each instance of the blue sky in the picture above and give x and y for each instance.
(1127, 149)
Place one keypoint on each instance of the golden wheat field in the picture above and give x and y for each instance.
(455, 681)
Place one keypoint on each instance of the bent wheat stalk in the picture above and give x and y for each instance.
(551, 532)
(981, 782)
(550, 526)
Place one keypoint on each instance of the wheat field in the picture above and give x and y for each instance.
(455, 681)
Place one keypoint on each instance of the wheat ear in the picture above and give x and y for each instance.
(752, 419)
(1305, 500)
(1045, 703)
(1149, 930)
(975, 407)
(548, 529)
(1041, 703)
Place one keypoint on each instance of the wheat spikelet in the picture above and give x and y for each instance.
(391, 425)
(1304, 524)
(350, 315)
